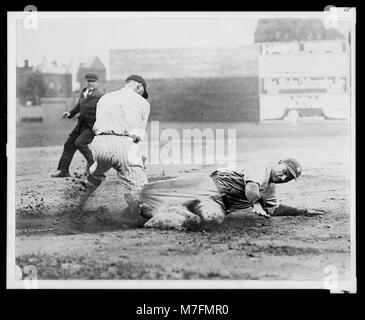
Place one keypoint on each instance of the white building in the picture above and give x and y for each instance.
(312, 77)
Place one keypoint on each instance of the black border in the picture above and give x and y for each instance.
(241, 302)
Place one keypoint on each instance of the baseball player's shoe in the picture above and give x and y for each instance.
(87, 189)
(60, 174)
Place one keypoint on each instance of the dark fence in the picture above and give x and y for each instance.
(198, 99)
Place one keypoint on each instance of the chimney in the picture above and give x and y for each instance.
(26, 63)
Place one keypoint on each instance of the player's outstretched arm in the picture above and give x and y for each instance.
(283, 210)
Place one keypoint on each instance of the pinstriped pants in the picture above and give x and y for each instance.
(196, 192)
(119, 153)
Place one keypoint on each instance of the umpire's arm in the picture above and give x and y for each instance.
(75, 110)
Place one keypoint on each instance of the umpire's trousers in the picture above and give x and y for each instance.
(79, 139)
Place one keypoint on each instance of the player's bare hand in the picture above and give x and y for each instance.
(66, 115)
(144, 159)
(257, 208)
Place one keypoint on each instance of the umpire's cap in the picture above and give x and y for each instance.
(139, 79)
(294, 167)
(91, 76)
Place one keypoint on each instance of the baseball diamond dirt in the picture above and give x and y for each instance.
(112, 244)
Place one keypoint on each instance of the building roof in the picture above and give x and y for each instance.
(93, 63)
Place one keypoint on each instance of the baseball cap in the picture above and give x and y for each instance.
(91, 76)
(294, 167)
(139, 79)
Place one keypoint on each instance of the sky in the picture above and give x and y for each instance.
(77, 39)
(66, 39)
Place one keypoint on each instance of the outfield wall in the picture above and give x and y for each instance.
(194, 84)
(210, 99)
(50, 110)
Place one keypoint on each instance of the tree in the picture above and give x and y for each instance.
(269, 30)
(33, 89)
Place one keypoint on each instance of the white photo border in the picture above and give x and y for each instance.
(12, 283)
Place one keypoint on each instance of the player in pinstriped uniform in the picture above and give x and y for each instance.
(121, 119)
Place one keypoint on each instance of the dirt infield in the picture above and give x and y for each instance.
(112, 244)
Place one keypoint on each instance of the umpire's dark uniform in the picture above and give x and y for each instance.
(82, 135)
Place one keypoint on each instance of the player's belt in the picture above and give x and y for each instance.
(113, 134)
(125, 134)
(223, 194)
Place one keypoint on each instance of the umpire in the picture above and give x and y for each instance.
(82, 135)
